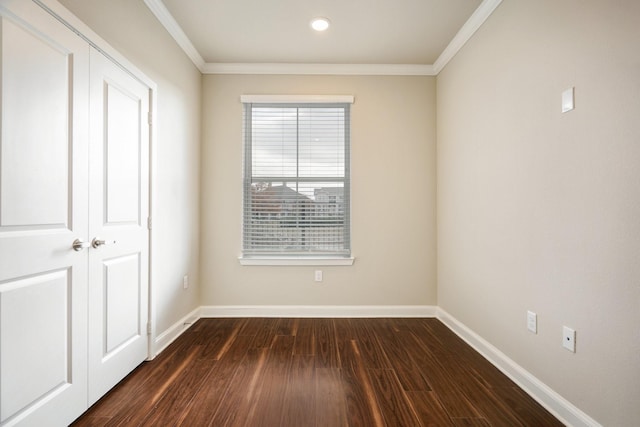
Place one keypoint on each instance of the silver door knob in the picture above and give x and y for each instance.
(79, 245)
(97, 242)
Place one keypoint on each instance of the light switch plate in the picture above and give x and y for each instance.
(568, 100)
(532, 322)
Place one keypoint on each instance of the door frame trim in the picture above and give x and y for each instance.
(59, 12)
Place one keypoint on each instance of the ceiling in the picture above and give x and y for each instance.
(365, 36)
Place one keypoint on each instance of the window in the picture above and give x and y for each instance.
(296, 180)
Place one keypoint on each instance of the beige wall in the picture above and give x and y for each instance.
(539, 210)
(393, 196)
(132, 29)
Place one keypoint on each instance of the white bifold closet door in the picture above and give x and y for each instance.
(44, 203)
(119, 208)
(74, 170)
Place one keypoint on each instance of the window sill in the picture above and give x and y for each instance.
(296, 261)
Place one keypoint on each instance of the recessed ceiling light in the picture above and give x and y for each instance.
(320, 24)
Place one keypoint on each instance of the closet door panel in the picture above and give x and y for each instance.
(123, 146)
(37, 102)
(43, 209)
(121, 290)
(35, 314)
(119, 203)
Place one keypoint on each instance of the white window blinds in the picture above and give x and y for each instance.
(296, 179)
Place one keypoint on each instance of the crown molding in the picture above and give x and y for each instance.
(474, 22)
(321, 69)
(171, 25)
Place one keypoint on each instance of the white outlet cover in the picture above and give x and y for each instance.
(318, 276)
(569, 339)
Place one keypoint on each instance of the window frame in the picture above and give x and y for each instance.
(301, 101)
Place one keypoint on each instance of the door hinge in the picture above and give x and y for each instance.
(149, 223)
(148, 328)
(150, 118)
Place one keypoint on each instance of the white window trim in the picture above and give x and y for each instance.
(295, 261)
(269, 260)
(295, 99)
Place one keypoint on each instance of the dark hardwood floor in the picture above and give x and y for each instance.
(317, 372)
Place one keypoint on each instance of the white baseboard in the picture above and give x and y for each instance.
(552, 401)
(319, 311)
(163, 340)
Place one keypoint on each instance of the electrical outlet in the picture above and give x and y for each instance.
(569, 339)
(318, 276)
(185, 281)
(532, 322)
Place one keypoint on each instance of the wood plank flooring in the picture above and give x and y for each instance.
(317, 372)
